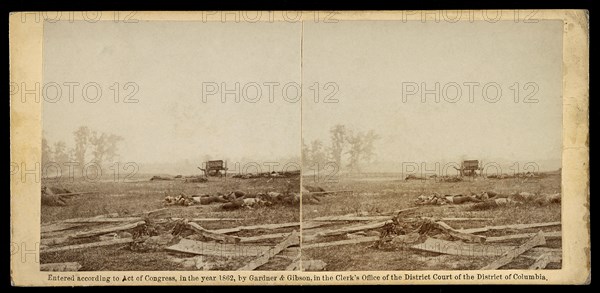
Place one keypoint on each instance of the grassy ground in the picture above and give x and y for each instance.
(131, 198)
(369, 195)
(387, 194)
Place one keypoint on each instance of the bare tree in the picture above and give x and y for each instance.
(111, 149)
(368, 147)
(318, 153)
(361, 148)
(355, 142)
(98, 143)
(82, 136)
(338, 141)
(104, 146)
(61, 154)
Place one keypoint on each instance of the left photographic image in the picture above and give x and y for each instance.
(170, 146)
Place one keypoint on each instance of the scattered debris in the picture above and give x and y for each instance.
(547, 235)
(507, 257)
(96, 232)
(87, 245)
(291, 240)
(49, 198)
(256, 227)
(460, 248)
(271, 175)
(494, 203)
(262, 237)
(541, 262)
(313, 265)
(182, 200)
(102, 220)
(488, 199)
(196, 262)
(513, 227)
(213, 235)
(161, 178)
(341, 231)
(438, 199)
(433, 235)
(151, 243)
(414, 177)
(340, 242)
(217, 249)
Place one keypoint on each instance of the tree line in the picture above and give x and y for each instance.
(90, 146)
(348, 149)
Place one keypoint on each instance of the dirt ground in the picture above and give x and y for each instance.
(138, 197)
(384, 194)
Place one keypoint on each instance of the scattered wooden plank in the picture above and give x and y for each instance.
(76, 193)
(136, 181)
(400, 211)
(504, 227)
(263, 237)
(327, 192)
(60, 267)
(548, 235)
(87, 245)
(152, 213)
(212, 235)
(55, 227)
(460, 248)
(72, 223)
(355, 218)
(313, 265)
(295, 265)
(541, 262)
(104, 220)
(508, 257)
(54, 241)
(458, 234)
(349, 229)
(101, 231)
(311, 225)
(292, 239)
(290, 253)
(256, 227)
(552, 256)
(209, 219)
(340, 242)
(217, 249)
(457, 219)
(389, 217)
(362, 214)
(306, 265)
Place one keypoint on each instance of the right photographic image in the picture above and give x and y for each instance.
(431, 145)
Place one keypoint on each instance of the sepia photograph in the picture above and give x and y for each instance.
(162, 150)
(299, 147)
(439, 147)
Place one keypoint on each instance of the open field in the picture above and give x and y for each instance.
(371, 196)
(121, 200)
(378, 195)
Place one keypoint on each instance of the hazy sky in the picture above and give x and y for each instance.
(170, 61)
(370, 61)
